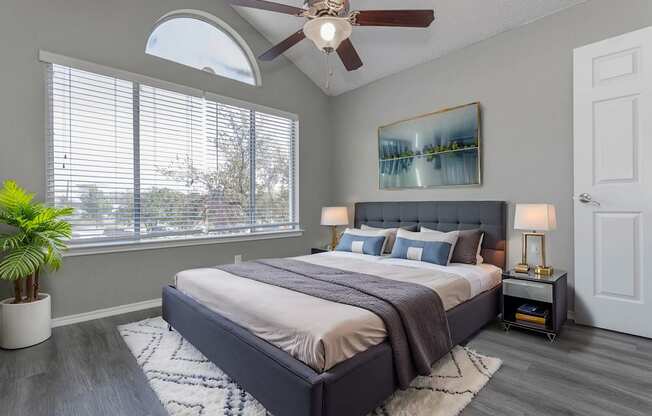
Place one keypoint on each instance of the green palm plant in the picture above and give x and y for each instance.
(39, 239)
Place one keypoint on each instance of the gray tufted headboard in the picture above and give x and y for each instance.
(489, 216)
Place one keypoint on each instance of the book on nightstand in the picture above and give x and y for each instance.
(531, 319)
(533, 315)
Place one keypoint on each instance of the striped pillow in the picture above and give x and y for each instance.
(363, 242)
(468, 247)
(392, 235)
(436, 248)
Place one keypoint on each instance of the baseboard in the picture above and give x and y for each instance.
(103, 313)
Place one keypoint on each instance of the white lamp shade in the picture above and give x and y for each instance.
(334, 216)
(327, 33)
(535, 217)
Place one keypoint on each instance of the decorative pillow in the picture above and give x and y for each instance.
(391, 237)
(478, 258)
(434, 248)
(467, 249)
(363, 242)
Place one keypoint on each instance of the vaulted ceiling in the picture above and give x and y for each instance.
(386, 50)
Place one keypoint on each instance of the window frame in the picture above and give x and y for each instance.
(220, 25)
(111, 246)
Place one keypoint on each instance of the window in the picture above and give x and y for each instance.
(139, 162)
(205, 43)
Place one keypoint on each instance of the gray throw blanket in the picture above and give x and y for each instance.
(413, 314)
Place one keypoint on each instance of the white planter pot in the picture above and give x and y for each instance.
(25, 324)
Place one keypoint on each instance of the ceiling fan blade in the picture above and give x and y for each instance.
(349, 55)
(400, 18)
(278, 49)
(268, 5)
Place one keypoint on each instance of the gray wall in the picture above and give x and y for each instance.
(523, 80)
(113, 33)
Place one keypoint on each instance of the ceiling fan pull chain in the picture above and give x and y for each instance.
(327, 84)
(329, 72)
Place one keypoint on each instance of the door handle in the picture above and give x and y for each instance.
(587, 199)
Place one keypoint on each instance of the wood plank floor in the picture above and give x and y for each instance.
(86, 369)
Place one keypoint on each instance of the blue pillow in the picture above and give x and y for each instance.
(436, 252)
(369, 245)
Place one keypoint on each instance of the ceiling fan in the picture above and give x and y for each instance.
(330, 23)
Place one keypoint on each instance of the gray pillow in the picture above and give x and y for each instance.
(467, 247)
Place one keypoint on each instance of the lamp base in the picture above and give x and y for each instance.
(543, 270)
(521, 268)
(334, 239)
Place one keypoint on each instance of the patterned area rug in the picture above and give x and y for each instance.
(189, 385)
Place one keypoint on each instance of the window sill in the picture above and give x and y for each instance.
(126, 246)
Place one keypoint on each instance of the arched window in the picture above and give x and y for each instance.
(204, 42)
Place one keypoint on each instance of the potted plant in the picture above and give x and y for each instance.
(37, 240)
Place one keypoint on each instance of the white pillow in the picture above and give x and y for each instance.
(478, 258)
(391, 237)
(450, 237)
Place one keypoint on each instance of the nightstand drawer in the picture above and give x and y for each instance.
(528, 290)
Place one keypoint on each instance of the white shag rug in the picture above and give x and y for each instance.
(189, 385)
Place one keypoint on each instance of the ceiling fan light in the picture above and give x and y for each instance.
(327, 33)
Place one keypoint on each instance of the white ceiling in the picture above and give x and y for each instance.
(385, 51)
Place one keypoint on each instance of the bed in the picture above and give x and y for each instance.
(335, 382)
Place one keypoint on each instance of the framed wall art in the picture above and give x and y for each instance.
(437, 149)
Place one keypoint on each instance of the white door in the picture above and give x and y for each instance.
(613, 183)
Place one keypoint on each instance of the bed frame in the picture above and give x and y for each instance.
(288, 387)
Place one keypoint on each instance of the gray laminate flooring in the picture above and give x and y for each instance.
(86, 369)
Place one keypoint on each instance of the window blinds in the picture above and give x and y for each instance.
(141, 162)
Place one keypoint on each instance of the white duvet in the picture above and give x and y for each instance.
(318, 332)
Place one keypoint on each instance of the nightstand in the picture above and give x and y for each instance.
(548, 292)
(318, 250)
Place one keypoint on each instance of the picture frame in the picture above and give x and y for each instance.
(438, 149)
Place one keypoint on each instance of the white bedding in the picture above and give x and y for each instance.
(318, 332)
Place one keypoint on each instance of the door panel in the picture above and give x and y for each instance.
(615, 66)
(612, 149)
(616, 140)
(617, 256)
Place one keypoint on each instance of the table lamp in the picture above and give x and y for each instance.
(334, 216)
(536, 218)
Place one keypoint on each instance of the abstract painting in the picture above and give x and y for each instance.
(438, 149)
